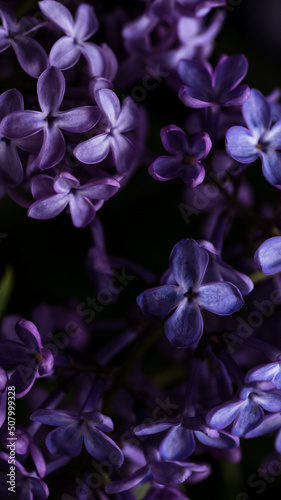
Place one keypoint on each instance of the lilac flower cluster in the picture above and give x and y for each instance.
(142, 400)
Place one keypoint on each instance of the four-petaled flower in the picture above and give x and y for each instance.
(258, 140)
(54, 195)
(188, 154)
(188, 263)
(73, 428)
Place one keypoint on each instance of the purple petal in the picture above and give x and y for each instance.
(159, 301)
(270, 424)
(98, 420)
(38, 459)
(221, 416)
(64, 182)
(174, 140)
(150, 428)
(271, 166)
(49, 207)
(220, 298)
(165, 168)
(189, 97)
(23, 378)
(81, 209)
(31, 56)
(65, 53)
(95, 58)
(79, 119)
(250, 417)
(167, 472)
(39, 489)
(223, 441)
(46, 363)
(93, 150)
(13, 354)
(28, 334)
(197, 79)
(188, 263)
(269, 401)
(109, 104)
(20, 124)
(241, 145)
(123, 152)
(101, 447)
(100, 189)
(229, 72)
(129, 116)
(50, 89)
(242, 281)
(53, 148)
(53, 417)
(263, 372)
(257, 113)
(200, 145)
(86, 23)
(11, 171)
(178, 444)
(268, 255)
(66, 440)
(139, 27)
(273, 136)
(127, 484)
(3, 379)
(5, 42)
(10, 101)
(185, 327)
(58, 14)
(42, 186)
(193, 175)
(236, 97)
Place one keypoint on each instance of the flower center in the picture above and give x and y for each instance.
(189, 160)
(38, 357)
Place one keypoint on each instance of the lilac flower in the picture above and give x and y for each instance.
(27, 358)
(54, 195)
(21, 124)
(30, 55)
(67, 50)
(72, 429)
(117, 121)
(204, 87)
(162, 472)
(245, 411)
(184, 327)
(179, 443)
(28, 485)
(258, 140)
(186, 162)
(268, 255)
(270, 372)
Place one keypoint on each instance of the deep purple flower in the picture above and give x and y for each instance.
(21, 124)
(117, 122)
(270, 372)
(258, 140)
(245, 411)
(30, 55)
(54, 195)
(67, 50)
(27, 358)
(188, 263)
(204, 87)
(268, 255)
(188, 154)
(72, 429)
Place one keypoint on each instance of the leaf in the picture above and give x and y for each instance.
(6, 287)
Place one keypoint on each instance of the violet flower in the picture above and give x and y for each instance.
(30, 55)
(67, 50)
(204, 87)
(258, 140)
(72, 429)
(188, 154)
(115, 123)
(54, 195)
(24, 123)
(268, 256)
(27, 358)
(184, 327)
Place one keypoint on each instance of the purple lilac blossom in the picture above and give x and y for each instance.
(54, 195)
(188, 263)
(116, 121)
(28, 358)
(259, 140)
(268, 256)
(30, 54)
(204, 87)
(72, 429)
(24, 123)
(188, 155)
(66, 52)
